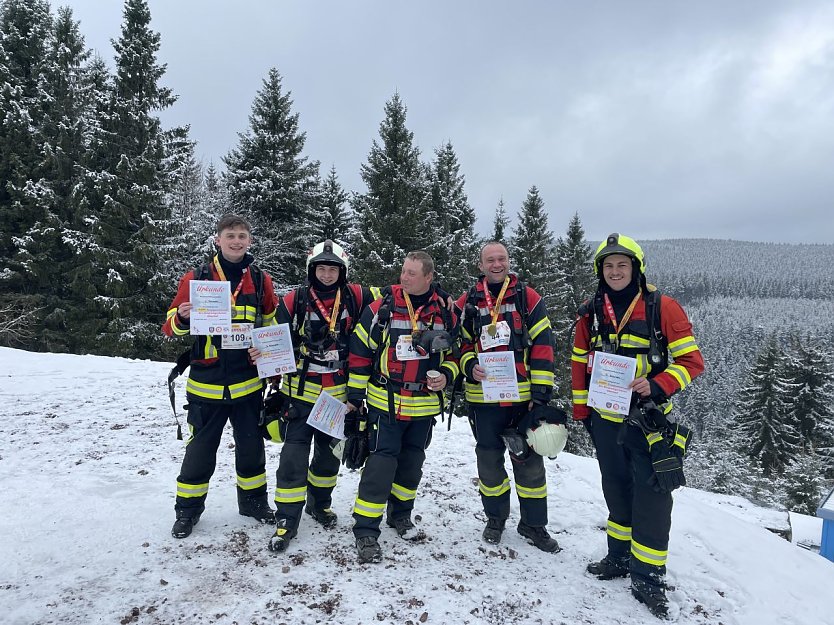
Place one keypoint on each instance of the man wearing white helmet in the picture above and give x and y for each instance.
(322, 314)
(640, 454)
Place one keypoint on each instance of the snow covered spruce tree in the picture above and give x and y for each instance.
(122, 206)
(392, 214)
(761, 423)
(574, 275)
(335, 217)
(806, 367)
(25, 31)
(532, 250)
(500, 223)
(804, 483)
(455, 246)
(185, 243)
(272, 183)
(69, 79)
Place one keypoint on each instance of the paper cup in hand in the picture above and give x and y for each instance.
(433, 375)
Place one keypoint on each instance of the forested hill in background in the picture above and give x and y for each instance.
(693, 269)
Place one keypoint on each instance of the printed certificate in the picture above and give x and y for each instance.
(501, 383)
(211, 307)
(275, 345)
(610, 377)
(328, 415)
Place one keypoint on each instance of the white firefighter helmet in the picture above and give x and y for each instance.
(548, 439)
(327, 253)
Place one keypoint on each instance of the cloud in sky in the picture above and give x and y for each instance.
(657, 119)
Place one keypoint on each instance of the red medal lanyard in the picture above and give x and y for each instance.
(610, 310)
(412, 315)
(223, 277)
(495, 311)
(333, 316)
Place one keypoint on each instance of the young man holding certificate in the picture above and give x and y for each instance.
(507, 360)
(219, 304)
(321, 315)
(633, 350)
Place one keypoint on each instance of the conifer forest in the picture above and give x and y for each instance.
(102, 209)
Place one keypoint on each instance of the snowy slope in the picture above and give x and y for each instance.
(88, 460)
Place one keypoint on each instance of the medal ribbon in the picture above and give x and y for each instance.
(223, 277)
(609, 308)
(413, 316)
(333, 317)
(495, 311)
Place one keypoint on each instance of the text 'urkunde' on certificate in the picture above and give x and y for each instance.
(275, 345)
(501, 383)
(328, 415)
(610, 376)
(211, 307)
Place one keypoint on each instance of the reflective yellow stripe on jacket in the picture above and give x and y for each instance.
(414, 406)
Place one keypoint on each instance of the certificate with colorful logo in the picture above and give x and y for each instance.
(275, 345)
(610, 378)
(211, 307)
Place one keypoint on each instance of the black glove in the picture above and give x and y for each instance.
(542, 413)
(654, 415)
(667, 453)
(271, 413)
(657, 394)
(356, 442)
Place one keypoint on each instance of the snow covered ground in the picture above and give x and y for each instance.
(88, 461)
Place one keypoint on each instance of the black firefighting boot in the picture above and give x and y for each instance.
(493, 530)
(368, 549)
(405, 528)
(610, 567)
(652, 595)
(538, 537)
(256, 507)
(326, 517)
(186, 520)
(283, 535)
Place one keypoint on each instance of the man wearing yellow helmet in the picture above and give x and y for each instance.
(640, 454)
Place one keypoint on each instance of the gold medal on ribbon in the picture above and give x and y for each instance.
(492, 329)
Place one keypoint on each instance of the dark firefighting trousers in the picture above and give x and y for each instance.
(639, 519)
(206, 420)
(488, 421)
(392, 472)
(297, 478)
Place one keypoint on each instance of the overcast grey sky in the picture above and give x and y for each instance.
(656, 119)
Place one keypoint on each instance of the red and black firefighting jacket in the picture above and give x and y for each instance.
(375, 369)
(322, 356)
(216, 373)
(684, 362)
(533, 364)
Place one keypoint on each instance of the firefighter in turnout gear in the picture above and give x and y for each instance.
(223, 383)
(322, 313)
(501, 314)
(399, 340)
(640, 454)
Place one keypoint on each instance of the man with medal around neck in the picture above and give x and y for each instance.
(223, 383)
(492, 322)
(321, 313)
(388, 372)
